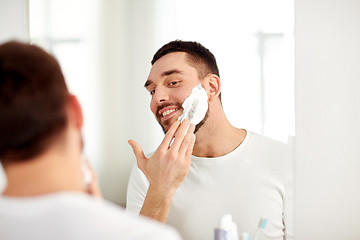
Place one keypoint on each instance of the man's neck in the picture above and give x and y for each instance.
(217, 137)
(43, 175)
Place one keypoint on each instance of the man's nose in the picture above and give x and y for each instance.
(160, 95)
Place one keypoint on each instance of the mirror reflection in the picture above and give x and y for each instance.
(105, 49)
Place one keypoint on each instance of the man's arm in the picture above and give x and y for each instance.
(166, 169)
(157, 205)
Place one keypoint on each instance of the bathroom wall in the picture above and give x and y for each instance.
(327, 146)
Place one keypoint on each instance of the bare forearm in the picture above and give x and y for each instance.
(157, 205)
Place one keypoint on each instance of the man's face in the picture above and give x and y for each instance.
(170, 82)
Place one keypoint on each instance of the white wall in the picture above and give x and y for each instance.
(327, 146)
(13, 20)
(13, 25)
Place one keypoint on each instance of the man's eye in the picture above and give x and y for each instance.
(152, 92)
(173, 83)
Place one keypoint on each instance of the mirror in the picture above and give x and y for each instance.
(105, 48)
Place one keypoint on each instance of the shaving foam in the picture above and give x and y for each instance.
(195, 105)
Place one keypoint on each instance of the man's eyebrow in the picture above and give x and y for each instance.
(166, 73)
(147, 83)
(172, 71)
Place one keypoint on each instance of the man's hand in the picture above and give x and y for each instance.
(166, 169)
(92, 187)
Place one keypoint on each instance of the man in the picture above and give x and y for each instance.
(232, 171)
(41, 152)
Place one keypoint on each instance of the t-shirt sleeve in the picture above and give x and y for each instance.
(136, 192)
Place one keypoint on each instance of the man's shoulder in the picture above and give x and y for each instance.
(261, 145)
(260, 139)
(79, 215)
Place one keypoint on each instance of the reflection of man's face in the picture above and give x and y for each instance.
(170, 81)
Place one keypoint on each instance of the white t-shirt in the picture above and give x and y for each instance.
(75, 216)
(251, 183)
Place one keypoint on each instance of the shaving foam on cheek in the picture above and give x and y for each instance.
(195, 105)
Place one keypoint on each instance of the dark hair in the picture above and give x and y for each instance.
(198, 56)
(33, 98)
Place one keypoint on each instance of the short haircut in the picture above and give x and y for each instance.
(33, 98)
(198, 56)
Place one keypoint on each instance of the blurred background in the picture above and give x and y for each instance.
(286, 66)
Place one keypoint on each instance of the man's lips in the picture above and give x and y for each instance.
(167, 112)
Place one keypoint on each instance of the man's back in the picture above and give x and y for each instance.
(71, 215)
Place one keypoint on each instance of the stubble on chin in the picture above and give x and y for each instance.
(163, 126)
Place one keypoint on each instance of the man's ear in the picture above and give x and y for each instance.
(214, 86)
(74, 112)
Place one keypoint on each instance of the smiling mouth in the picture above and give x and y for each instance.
(167, 112)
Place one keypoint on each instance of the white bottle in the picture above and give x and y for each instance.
(227, 229)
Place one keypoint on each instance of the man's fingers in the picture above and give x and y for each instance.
(188, 141)
(92, 186)
(190, 148)
(180, 134)
(169, 135)
(139, 154)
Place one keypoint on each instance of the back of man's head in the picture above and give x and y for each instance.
(33, 97)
